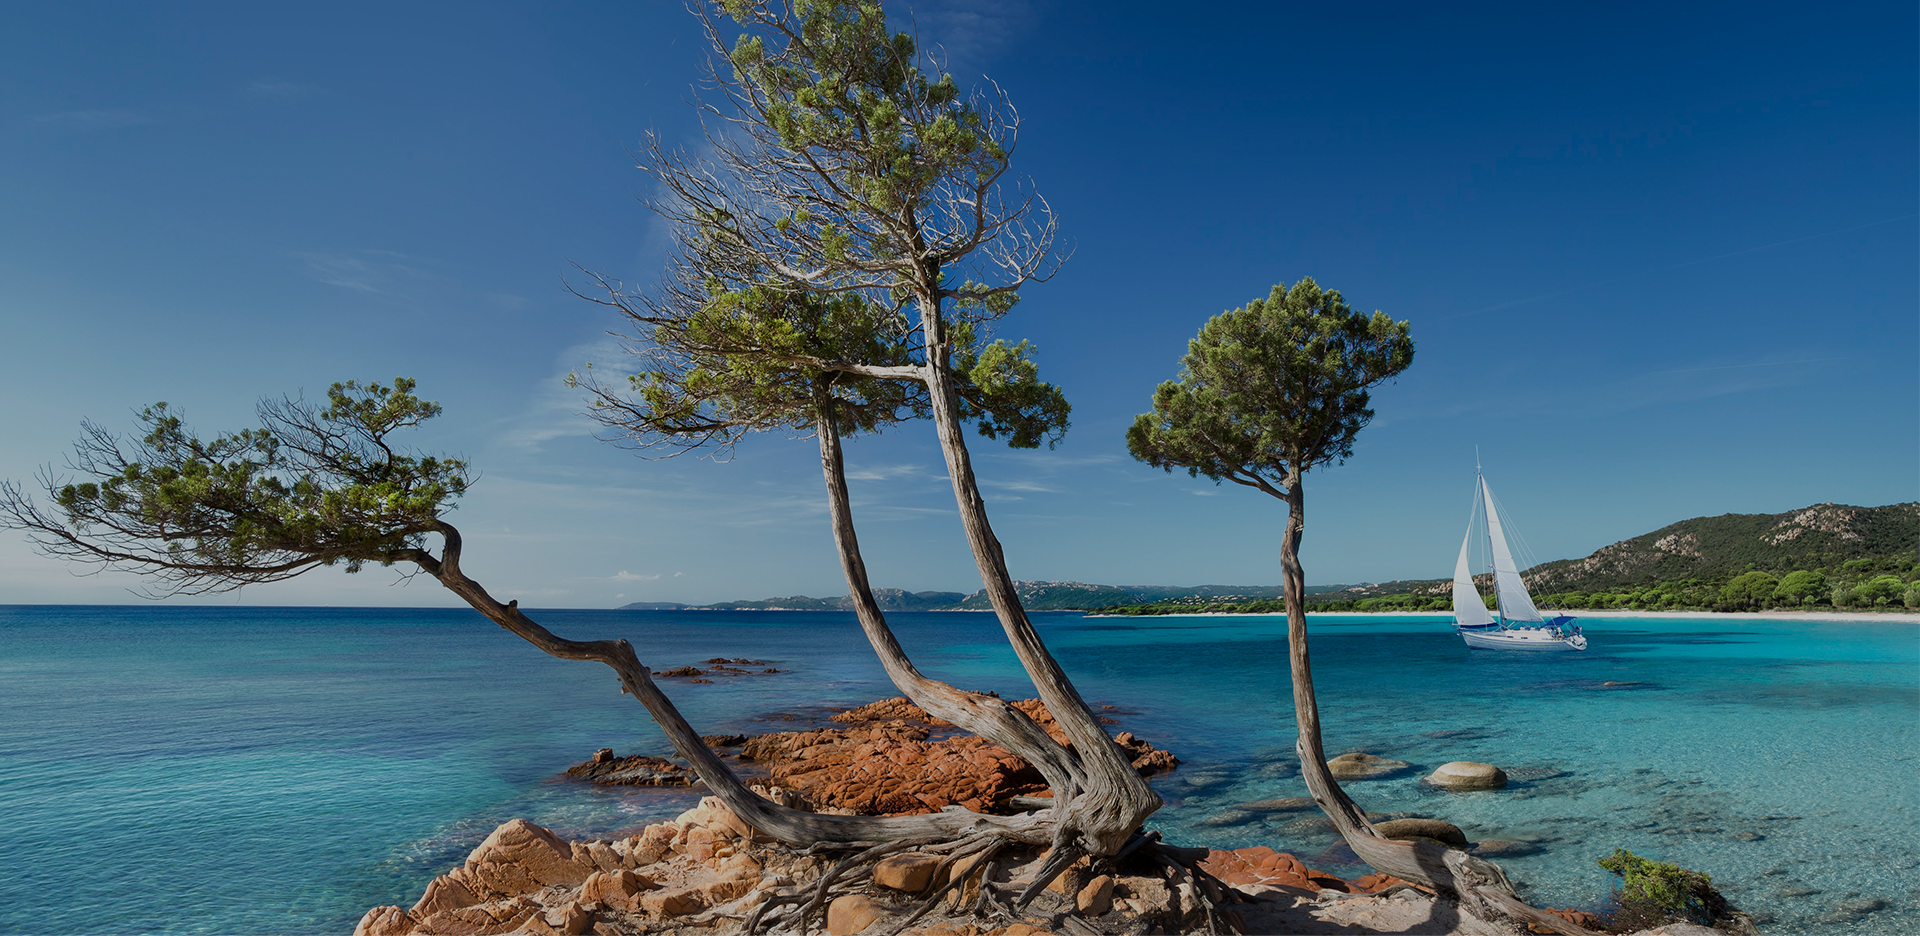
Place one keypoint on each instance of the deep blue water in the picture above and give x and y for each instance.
(279, 770)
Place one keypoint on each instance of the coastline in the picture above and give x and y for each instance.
(1907, 617)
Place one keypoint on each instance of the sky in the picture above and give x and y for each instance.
(1659, 261)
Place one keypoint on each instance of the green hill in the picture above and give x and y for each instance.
(1823, 536)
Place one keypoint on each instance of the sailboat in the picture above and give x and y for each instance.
(1519, 625)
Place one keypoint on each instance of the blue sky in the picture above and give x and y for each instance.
(1660, 262)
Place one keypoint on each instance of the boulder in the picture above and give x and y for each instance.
(487, 919)
(384, 921)
(617, 889)
(1467, 775)
(1361, 766)
(520, 857)
(446, 892)
(671, 903)
(910, 872)
(851, 914)
(568, 919)
(1446, 833)
(1096, 898)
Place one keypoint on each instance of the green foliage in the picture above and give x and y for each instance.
(1749, 591)
(309, 487)
(1272, 389)
(856, 182)
(1654, 892)
(1800, 587)
(1001, 391)
(1881, 590)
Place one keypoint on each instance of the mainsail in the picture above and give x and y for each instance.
(1515, 603)
(1469, 609)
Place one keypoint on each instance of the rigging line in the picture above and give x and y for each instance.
(1675, 266)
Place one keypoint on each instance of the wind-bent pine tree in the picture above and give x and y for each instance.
(845, 174)
(1266, 393)
(313, 487)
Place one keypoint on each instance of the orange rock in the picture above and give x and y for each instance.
(851, 914)
(667, 903)
(487, 919)
(1096, 898)
(520, 857)
(570, 919)
(910, 872)
(619, 889)
(1025, 929)
(384, 921)
(446, 892)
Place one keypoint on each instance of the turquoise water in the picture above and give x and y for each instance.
(279, 770)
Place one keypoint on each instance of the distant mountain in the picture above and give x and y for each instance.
(889, 599)
(1036, 596)
(1717, 548)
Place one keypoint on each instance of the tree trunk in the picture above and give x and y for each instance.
(989, 717)
(1478, 883)
(1113, 799)
(792, 826)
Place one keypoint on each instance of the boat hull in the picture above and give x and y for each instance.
(1526, 639)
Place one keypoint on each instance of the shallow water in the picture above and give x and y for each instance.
(279, 770)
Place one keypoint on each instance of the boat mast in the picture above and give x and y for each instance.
(1486, 531)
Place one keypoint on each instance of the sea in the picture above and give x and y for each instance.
(195, 769)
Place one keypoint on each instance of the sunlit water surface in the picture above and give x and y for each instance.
(280, 770)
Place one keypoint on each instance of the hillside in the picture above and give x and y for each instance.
(1823, 536)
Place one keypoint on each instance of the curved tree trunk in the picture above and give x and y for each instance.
(983, 715)
(792, 826)
(1113, 799)
(1478, 883)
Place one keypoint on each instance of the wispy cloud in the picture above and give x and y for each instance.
(368, 271)
(625, 576)
(892, 473)
(107, 118)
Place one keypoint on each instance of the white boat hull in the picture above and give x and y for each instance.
(1535, 639)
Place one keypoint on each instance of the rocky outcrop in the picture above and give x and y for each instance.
(892, 769)
(1461, 776)
(632, 770)
(705, 872)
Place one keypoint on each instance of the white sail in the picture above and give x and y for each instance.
(1515, 603)
(1469, 609)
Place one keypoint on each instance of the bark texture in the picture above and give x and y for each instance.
(1109, 799)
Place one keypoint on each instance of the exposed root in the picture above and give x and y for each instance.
(1202, 888)
(987, 844)
(1058, 861)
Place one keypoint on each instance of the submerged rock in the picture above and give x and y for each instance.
(1468, 775)
(1446, 833)
(1361, 766)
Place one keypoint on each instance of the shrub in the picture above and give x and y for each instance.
(1654, 892)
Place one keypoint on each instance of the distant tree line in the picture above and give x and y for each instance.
(1885, 583)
